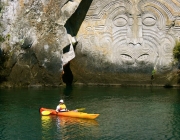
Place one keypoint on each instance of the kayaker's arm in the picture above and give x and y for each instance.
(57, 108)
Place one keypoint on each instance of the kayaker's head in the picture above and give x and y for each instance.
(61, 101)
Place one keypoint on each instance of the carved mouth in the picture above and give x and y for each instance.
(129, 60)
(142, 59)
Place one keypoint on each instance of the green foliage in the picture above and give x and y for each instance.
(153, 72)
(176, 51)
(8, 35)
(1, 39)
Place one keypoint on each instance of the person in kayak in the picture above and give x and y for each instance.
(61, 107)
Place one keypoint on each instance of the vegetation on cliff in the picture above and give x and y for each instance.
(176, 51)
(176, 54)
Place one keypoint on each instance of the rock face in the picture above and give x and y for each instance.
(122, 41)
(32, 40)
(119, 42)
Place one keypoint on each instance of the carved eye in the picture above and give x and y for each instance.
(120, 21)
(149, 21)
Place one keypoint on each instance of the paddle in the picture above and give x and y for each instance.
(47, 112)
(79, 109)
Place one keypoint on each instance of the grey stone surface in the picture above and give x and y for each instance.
(32, 39)
(127, 39)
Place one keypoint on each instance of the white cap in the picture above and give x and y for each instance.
(61, 101)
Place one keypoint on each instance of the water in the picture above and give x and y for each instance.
(132, 113)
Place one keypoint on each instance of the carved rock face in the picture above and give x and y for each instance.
(131, 36)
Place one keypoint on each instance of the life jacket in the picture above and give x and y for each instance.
(62, 107)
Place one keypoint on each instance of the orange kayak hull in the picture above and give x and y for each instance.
(71, 114)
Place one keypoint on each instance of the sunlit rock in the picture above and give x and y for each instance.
(122, 41)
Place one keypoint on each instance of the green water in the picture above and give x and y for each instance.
(132, 113)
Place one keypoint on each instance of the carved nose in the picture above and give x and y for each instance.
(134, 34)
(135, 41)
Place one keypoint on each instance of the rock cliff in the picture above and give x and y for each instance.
(33, 37)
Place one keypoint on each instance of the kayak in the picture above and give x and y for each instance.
(74, 114)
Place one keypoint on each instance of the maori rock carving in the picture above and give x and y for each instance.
(130, 35)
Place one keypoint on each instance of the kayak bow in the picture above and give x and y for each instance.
(45, 111)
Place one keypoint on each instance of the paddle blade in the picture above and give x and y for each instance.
(80, 109)
(45, 113)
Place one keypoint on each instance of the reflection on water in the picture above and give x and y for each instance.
(62, 121)
(67, 91)
(46, 122)
(65, 126)
(46, 127)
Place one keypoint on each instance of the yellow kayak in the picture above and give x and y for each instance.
(45, 111)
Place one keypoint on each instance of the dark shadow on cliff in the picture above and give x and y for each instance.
(74, 22)
(72, 26)
(3, 74)
(67, 76)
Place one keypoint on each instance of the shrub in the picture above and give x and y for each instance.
(176, 51)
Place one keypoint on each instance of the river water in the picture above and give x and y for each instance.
(126, 113)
